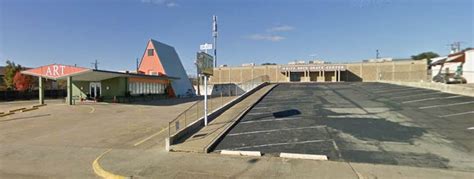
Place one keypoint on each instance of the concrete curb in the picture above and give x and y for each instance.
(242, 153)
(6, 114)
(29, 109)
(101, 172)
(39, 105)
(303, 156)
(15, 110)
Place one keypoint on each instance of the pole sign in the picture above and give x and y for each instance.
(205, 64)
(55, 71)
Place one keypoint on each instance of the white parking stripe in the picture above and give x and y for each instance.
(267, 120)
(408, 96)
(397, 90)
(427, 99)
(470, 128)
(255, 113)
(277, 144)
(458, 114)
(260, 107)
(406, 91)
(273, 130)
(444, 105)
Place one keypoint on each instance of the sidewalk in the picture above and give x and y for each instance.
(201, 140)
(459, 89)
(156, 163)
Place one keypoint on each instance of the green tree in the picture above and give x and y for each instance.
(268, 63)
(425, 55)
(10, 70)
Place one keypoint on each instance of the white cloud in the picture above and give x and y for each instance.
(273, 38)
(171, 4)
(281, 28)
(167, 3)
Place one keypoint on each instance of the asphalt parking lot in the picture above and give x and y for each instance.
(361, 122)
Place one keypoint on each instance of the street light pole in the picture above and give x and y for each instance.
(214, 34)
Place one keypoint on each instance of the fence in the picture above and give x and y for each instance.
(33, 94)
(215, 101)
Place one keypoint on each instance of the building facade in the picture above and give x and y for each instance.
(162, 59)
(365, 71)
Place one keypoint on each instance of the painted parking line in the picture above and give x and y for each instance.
(149, 137)
(415, 95)
(458, 114)
(470, 128)
(278, 144)
(396, 90)
(428, 99)
(260, 107)
(444, 105)
(405, 91)
(256, 113)
(268, 120)
(275, 130)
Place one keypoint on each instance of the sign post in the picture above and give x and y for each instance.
(205, 67)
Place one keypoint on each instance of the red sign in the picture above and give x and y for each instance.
(55, 71)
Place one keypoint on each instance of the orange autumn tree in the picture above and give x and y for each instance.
(22, 82)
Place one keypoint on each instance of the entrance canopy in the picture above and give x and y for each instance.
(62, 72)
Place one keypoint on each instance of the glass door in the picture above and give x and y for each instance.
(95, 90)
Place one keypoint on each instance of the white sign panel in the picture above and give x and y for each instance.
(205, 46)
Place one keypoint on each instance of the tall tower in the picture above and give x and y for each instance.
(214, 35)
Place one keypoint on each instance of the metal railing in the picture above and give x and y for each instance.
(220, 96)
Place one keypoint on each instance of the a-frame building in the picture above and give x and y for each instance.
(162, 59)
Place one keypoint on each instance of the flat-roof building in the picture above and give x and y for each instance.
(160, 73)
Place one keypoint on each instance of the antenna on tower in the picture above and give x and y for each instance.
(455, 47)
(214, 34)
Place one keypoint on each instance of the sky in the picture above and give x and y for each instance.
(115, 32)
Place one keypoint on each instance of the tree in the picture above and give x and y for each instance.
(10, 71)
(425, 55)
(22, 82)
(268, 63)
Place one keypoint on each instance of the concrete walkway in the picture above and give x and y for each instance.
(200, 141)
(156, 163)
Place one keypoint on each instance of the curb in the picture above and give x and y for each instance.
(6, 114)
(101, 172)
(29, 109)
(242, 153)
(15, 110)
(303, 156)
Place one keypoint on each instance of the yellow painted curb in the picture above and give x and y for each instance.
(101, 172)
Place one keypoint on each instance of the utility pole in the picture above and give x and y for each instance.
(377, 54)
(137, 65)
(214, 34)
(96, 64)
